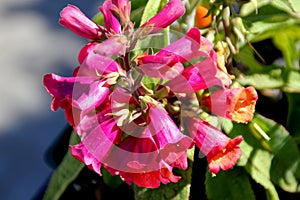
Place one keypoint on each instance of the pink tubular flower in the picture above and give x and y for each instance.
(99, 134)
(188, 47)
(195, 77)
(135, 128)
(89, 86)
(89, 94)
(142, 166)
(221, 151)
(166, 66)
(72, 18)
(148, 157)
(172, 11)
(237, 104)
(111, 23)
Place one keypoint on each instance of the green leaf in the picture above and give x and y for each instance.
(232, 184)
(273, 77)
(151, 9)
(285, 166)
(99, 19)
(280, 162)
(137, 8)
(136, 4)
(171, 191)
(64, 174)
(288, 41)
(255, 158)
(296, 5)
(289, 6)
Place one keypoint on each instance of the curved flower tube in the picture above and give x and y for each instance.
(172, 11)
(196, 77)
(111, 23)
(72, 18)
(237, 104)
(86, 97)
(221, 151)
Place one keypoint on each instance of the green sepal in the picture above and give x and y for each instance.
(110, 180)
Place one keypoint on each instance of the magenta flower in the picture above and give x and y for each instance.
(168, 64)
(195, 77)
(89, 94)
(111, 23)
(72, 18)
(123, 8)
(172, 11)
(89, 86)
(221, 151)
(147, 157)
(99, 134)
(137, 130)
(237, 104)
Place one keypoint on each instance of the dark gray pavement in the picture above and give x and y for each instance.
(32, 43)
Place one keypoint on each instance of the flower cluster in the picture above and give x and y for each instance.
(137, 128)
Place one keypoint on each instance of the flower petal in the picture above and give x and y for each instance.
(171, 12)
(186, 48)
(221, 151)
(169, 139)
(137, 161)
(72, 18)
(110, 21)
(166, 66)
(99, 135)
(150, 179)
(237, 104)
(83, 93)
(123, 9)
(111, 47)
(195, 77)
(80, 152)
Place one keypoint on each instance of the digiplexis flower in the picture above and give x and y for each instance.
(239, 106)
(171, 12)
(72, 18)
(221, 151)
(136, 129)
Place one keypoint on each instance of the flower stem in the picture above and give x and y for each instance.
(198, 177)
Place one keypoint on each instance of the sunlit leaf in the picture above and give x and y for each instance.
(288, 41)
(273, 77)
(281, 162)
(285, 167)
(289, 6)
(255, 159)
(151, 9)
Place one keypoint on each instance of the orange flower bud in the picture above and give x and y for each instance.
(202, 20)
